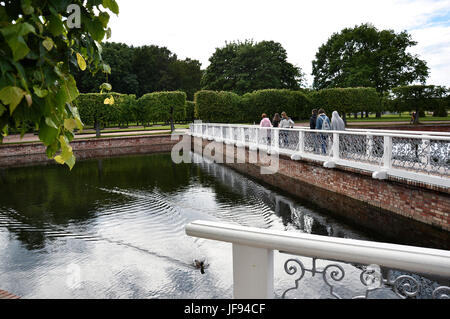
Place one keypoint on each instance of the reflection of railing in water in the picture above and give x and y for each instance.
(297, 216)
(417, 156)
(253, 257)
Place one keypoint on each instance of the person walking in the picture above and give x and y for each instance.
(323, 123)
(286, 122)
(265, 122)
(265, 131)
(276, 120)
(313, 120)
(337, 123)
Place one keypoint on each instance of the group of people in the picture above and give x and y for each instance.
(318, 121)
(283, 122)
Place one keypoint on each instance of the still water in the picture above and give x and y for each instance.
(114, 228)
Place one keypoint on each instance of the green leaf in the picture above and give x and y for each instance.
(111, 5)
(27, 7)
(47, 134)
(40, 92)
(106, 68)
(68, 92)
(12, 95)
(95, 28)
(50, 122)
(109, 100)
(55, 25)
(14, 34)
(81, 62)
(70, 124)
(48, 43)
(104, 18)
(106, 86)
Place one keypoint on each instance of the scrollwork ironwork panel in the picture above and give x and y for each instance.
(431, 156)
(372, 279)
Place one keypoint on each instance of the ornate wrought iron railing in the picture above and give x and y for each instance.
(414, 155)
(382, 267)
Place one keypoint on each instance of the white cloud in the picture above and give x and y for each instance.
(196, 28)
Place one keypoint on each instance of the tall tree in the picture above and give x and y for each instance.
(247, 66)
(119, 57)
(419, 98)
(146, 69)
(364, 56)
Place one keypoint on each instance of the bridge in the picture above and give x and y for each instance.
(376, 167)
(414, 155)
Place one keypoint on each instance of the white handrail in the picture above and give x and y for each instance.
(417, 157)
(394, 256)
(444, 136)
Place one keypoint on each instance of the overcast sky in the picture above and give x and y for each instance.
(196, 28)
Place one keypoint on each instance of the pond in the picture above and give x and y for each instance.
(114, 228)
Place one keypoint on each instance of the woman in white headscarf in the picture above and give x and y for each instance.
(337, 124)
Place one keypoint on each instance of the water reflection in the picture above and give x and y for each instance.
(120, 221)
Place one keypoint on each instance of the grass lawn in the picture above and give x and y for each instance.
(404, 117)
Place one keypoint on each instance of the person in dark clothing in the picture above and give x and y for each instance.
(313, 119)
(276, 120)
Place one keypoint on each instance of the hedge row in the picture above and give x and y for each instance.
(212, 106)
(94, 111)
(152, 107)
(228, 107)
(347, 100)
(161, 106)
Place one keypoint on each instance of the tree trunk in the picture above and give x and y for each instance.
(416, 116)
(378, 115)
(97, 129)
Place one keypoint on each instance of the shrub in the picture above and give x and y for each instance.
(162, 106)
(347, 100)
(93, 110)
(220, 107)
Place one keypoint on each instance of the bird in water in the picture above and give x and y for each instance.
(201, 264)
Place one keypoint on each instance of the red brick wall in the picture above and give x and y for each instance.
(30, 154)
(356, 195)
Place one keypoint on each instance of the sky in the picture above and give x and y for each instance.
(194, 29)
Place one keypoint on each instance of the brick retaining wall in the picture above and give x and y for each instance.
(33, 153)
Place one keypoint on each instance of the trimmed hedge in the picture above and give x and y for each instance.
(270, 101)
(218, 107)
(347, 100)
(161, 106)
(93, 110)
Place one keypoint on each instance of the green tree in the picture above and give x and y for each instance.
(365, 57)
(119, 57)
(41, 43)
(418, 98)
(243, 67)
